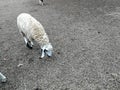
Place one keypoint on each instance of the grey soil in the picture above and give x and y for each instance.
(85, 35)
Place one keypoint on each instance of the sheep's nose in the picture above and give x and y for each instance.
(49, 55)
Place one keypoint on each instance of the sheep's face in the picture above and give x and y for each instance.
(47, 49)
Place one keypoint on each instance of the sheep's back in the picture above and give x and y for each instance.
(39, 34)
(32, 28)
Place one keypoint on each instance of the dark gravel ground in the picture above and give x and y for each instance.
(85, 35)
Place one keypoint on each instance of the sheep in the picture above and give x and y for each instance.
(31, 29)
(41, 2)
(2, 78)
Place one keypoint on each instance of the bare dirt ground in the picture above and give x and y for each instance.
(85, 35)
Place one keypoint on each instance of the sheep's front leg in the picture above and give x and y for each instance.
(25, 39)
(31, 43)
(42, 53)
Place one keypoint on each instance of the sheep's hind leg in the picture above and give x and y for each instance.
(41, 2)
(31, 43)
(3, 79)
(27, 42)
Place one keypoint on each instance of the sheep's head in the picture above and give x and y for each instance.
(47, 49)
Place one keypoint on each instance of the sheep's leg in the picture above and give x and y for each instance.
(31, 42)
(42, 53)
(25, 39)
(41, 2)
(2, 78)
(27, 42)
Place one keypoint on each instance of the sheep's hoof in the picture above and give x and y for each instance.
(29, 46)
(4, 80)
(41, 57)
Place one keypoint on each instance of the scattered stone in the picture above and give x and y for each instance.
(107, 72)
(58, 52)
(19, 65)
(99, 32)
(38, 89)
(5, 59)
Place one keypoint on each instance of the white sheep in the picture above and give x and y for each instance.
(31, 29)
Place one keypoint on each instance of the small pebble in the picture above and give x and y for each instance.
(19, 65)
(5, 59)
(98, 32)
(38, 89)
(58, 52)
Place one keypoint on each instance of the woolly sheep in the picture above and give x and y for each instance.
(31, 29)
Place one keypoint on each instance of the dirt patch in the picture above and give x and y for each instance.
(86, 39)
